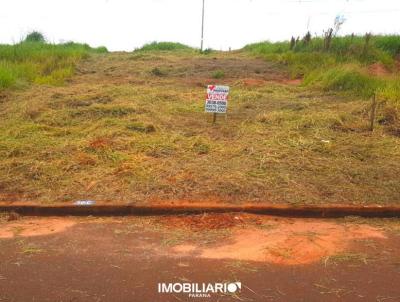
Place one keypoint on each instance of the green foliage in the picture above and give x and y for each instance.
(268, 47)
(163, 46)
(344, 48)
(391, 91)
(7, 77)
(342, 67)
(390, 44)
(35, 36)
(207, 51)
(347, 78)
(33, 61)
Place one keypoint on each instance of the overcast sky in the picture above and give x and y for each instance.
(127, 24)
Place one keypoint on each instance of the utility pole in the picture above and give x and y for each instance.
(202, 28)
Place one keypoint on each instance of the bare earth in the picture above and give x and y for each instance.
(123, 259)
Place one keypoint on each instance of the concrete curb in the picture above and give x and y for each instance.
(157, 210)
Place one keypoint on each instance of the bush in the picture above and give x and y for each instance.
(163, 46)
(35, 36)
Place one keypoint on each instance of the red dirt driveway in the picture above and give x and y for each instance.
(124, 259)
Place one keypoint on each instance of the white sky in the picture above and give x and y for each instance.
(127, 24)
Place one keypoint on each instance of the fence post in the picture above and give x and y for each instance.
(373, 113)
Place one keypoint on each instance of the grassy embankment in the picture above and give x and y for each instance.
(132, 127)
(343, 65)
(35, 61)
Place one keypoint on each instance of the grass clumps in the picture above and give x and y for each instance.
(164, 46)
(218, 74)
(340, 64)
(35, 61)
(349, 78)
(140, 127)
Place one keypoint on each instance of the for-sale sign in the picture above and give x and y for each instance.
(217, 99)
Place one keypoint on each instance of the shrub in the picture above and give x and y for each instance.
(163, 46)
(35, 36)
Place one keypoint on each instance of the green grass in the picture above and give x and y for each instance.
(343, 67)
(37, 62)
(349, 78)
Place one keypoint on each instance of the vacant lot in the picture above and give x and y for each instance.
(131, 127)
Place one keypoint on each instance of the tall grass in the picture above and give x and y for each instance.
(34, 61)
(342, 67)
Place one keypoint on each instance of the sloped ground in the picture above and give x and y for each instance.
(124, 259)
(132, 128)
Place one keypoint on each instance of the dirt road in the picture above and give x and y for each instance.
(124, 259)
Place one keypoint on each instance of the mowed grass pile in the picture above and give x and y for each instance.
(35, 61)
(344, 66)
(120, 132)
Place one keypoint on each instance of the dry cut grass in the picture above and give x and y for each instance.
(121, 132)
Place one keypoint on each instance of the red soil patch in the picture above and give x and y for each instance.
(254, 82)
(202, 222)
(293, 82)
(100, 143)
(34, 227)
(251, 82)
(285, 242)
(378, 69)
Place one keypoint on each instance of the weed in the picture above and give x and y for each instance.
(218, 74)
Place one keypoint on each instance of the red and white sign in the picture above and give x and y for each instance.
(217, 99)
